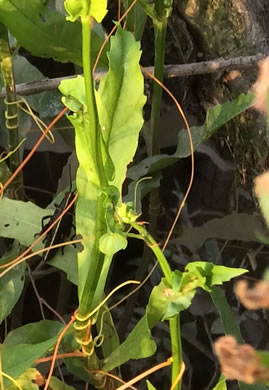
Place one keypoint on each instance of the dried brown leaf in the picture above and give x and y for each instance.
(240, 362)
(261, 87)
(253, 298)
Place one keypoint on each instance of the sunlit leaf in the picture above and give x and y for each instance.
(213, 274)
(120, 101)
(46, 33)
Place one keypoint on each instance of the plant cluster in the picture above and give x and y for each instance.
(107, 118)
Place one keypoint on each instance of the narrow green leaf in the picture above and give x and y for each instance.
(150, 386)
(221, 385)
(230, 327)
(227, 317)
(46, 33)
(216, 117)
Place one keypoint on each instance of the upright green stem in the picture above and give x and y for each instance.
(160, 26)
(160, 35)
(174, 323)
(11, 114)
(176, 347)
(90, 98)
(152, 244)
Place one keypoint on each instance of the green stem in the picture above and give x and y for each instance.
(160, 35)
(11, 114)
(176, 347)
(173, 322)
(89, 297)
(152, 244)
(90, 99)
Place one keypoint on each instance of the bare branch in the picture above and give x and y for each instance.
(184, 70)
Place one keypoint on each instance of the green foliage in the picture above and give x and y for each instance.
(166, 302)
(216, 117)
(221, 385)
(11, 286)
(107, 120)
(53, 37)
(24, 345)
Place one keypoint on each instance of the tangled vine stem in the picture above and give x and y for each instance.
(170, 71)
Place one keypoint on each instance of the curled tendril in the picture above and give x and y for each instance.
(28, 110)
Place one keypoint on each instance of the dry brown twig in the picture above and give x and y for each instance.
(170, 71)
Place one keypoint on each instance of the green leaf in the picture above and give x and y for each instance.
(56, 384)
(98, 9)
(75, 100)
(138, 345)
(67, 262)
(165, 303)
(215, 118)
(120, 100)
(111, 243)
(213, 274)
(27, 380)
(26, 344)
(45, 33)
(21, 220)
(227, 228)
(221, 385)
(11, 285)
(227, 317)
(150, 386)
(79, 8)
(230, 327)
(136, 19)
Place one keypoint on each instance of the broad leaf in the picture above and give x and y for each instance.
(26, 344)
(21, 220)
(46, 33)
(11, 285)
(213, 274)
(165, 302)
(227, 228)
(138, 345)
(120, 100)
(27, 381)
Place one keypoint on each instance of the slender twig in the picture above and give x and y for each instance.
(170, 71)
